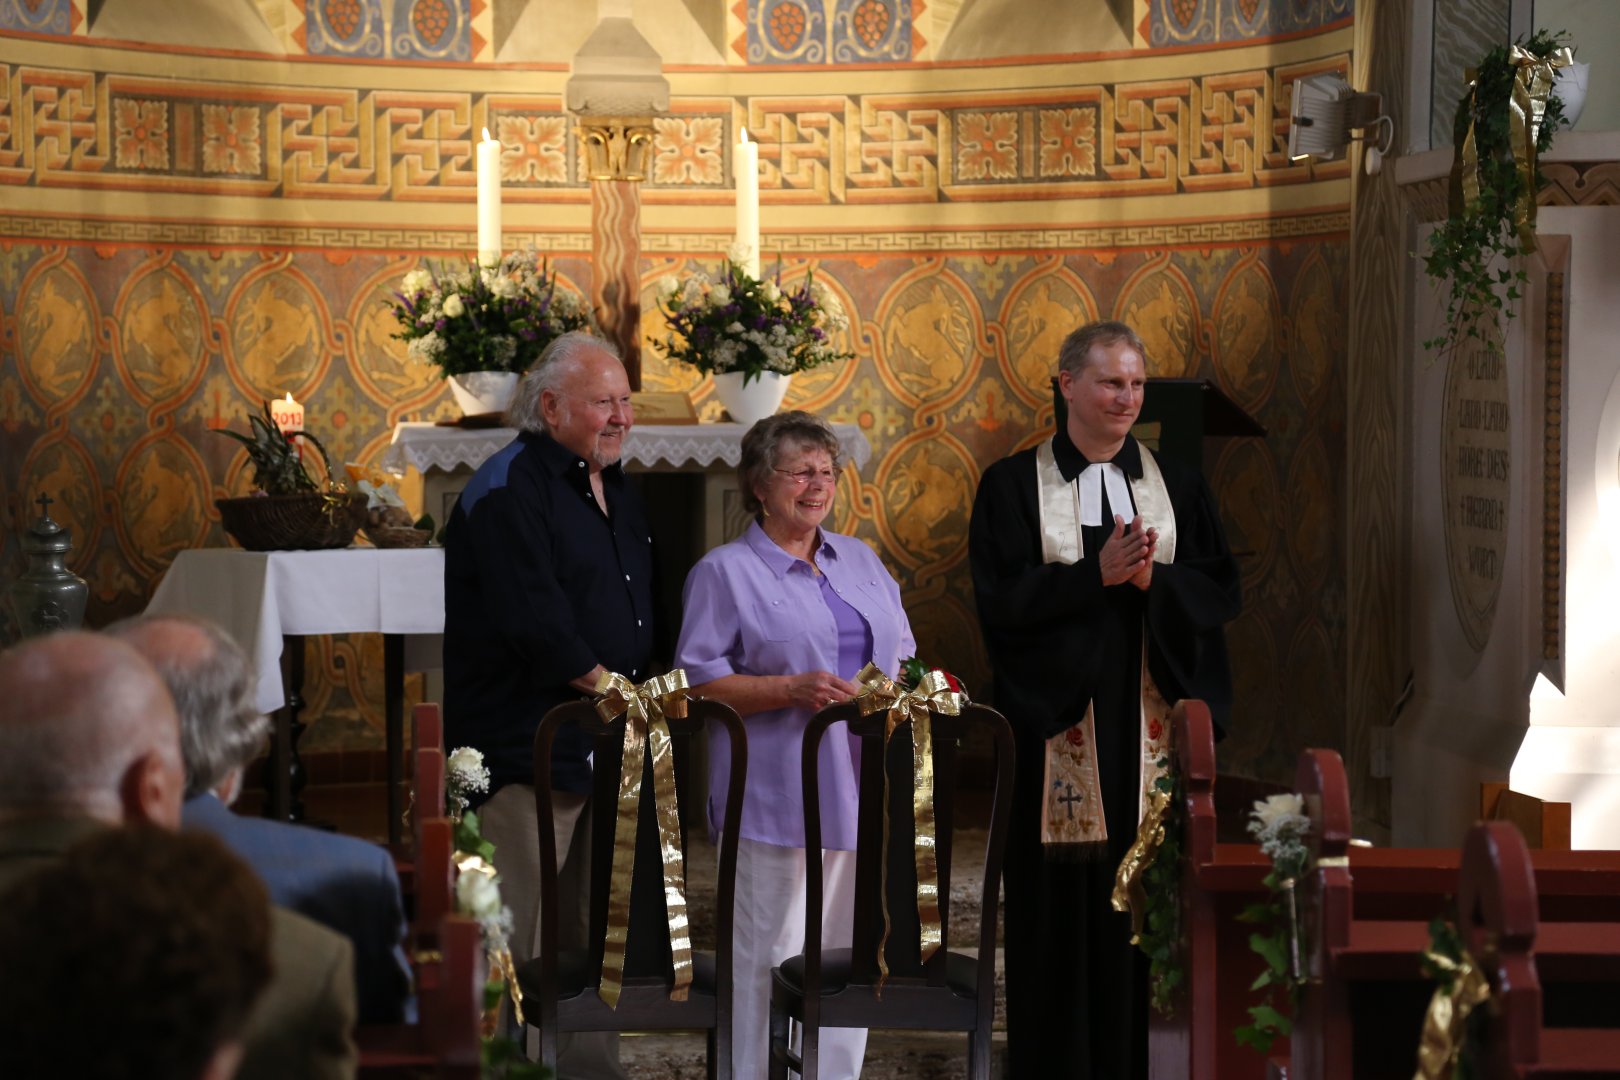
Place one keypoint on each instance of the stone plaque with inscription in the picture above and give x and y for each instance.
(1475, 476)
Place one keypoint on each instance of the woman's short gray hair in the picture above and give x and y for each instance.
(559, 360)
(762, 448)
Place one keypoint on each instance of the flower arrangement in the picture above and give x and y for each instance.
(493, 319)
(1494, 182)
(739, 323)
(913, 668)
(1161, 938)
(464, 773)
(1280, 825)
(478, 896)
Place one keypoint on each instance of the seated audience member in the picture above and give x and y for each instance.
(138, 954)
(89, 740)
(341, 882)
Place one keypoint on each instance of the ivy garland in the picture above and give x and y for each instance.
(1161, 936)
(1464, 251)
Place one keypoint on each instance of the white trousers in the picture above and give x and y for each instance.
(769, 928)
(510, 823)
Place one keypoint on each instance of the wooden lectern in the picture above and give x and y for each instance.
(1178, 415)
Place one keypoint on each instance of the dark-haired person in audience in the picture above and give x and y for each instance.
(339, 881)
(777, 624)
(89, 740)
(137, 955)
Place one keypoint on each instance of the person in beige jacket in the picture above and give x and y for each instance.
(89, 739)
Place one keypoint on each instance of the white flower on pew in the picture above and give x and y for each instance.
(464, 773)
(1279, 823)
(478, 894)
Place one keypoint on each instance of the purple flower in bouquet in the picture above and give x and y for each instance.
(737, 322)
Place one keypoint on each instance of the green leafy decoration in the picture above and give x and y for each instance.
(1161, 940)
(1464, 248)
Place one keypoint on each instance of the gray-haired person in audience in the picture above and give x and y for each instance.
(89, 740)
(339, 881)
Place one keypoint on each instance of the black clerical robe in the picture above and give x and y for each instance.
(1058, 639)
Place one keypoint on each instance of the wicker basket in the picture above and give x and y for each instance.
(302, 522)
(396, 536)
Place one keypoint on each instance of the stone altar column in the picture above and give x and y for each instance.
(616, 88)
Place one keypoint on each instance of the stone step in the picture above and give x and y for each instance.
(890, 1055)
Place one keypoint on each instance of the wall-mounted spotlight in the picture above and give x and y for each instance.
(1325, 113)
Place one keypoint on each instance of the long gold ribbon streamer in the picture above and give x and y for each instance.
(878, 694)
(1445, 1025)
(498, 952)
(645, 730)
(1130, 892)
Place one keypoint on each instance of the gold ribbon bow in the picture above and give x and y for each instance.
(645, 730)
(1130, 892)
(1445, 1025)
(1532, 84)
(878, 694)
(496, 949)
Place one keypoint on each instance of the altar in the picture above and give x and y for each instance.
(705, 502)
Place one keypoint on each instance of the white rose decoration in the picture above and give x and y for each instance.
(667, 285)
(453, 307)
(477, 895)
(720, 295)
(770, 292)
(416, 281)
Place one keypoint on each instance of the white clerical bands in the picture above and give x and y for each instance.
(1092, 479)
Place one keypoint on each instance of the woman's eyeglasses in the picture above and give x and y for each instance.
(804, 476)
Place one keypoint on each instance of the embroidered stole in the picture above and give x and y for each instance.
(1071, 804)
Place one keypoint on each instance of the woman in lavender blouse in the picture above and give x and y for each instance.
(777, 624)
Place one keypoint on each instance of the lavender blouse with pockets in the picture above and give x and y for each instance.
(753, 609)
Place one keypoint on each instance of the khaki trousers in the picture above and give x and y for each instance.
(510, 823)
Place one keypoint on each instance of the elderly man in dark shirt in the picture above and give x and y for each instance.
(547, 583)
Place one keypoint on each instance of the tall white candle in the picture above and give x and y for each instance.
(489, 201)
(745, 163)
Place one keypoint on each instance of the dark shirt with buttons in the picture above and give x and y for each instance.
(540, 586)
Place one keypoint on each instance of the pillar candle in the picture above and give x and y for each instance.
(489, 201)
(745, 162)
(288, 415)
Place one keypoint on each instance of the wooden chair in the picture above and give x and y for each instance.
(560, 987)
(445, 1040)
(952, 991)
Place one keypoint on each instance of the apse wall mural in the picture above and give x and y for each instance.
(184, 251)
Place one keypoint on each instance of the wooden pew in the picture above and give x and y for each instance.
(1218, 881)
(1497, 901)
(1366, 914)
(1375, 909)
(445, 1040)
(1545, 825)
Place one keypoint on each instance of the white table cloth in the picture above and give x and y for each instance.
(259, 596)
(698, 446)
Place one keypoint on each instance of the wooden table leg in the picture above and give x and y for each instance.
(394, 732)
(284, 782)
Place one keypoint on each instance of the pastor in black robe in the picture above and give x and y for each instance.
(1058, 639)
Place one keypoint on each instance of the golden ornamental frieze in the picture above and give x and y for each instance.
(65, 129)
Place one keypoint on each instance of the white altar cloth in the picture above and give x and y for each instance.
(259, 596)
(430, 446)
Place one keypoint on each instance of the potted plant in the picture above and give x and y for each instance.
(483, 328)
(751, 335)
(1494, 180)
(290, 510)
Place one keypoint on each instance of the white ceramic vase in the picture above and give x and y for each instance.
(754, 402)
(1569, 84)
(480, 393)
